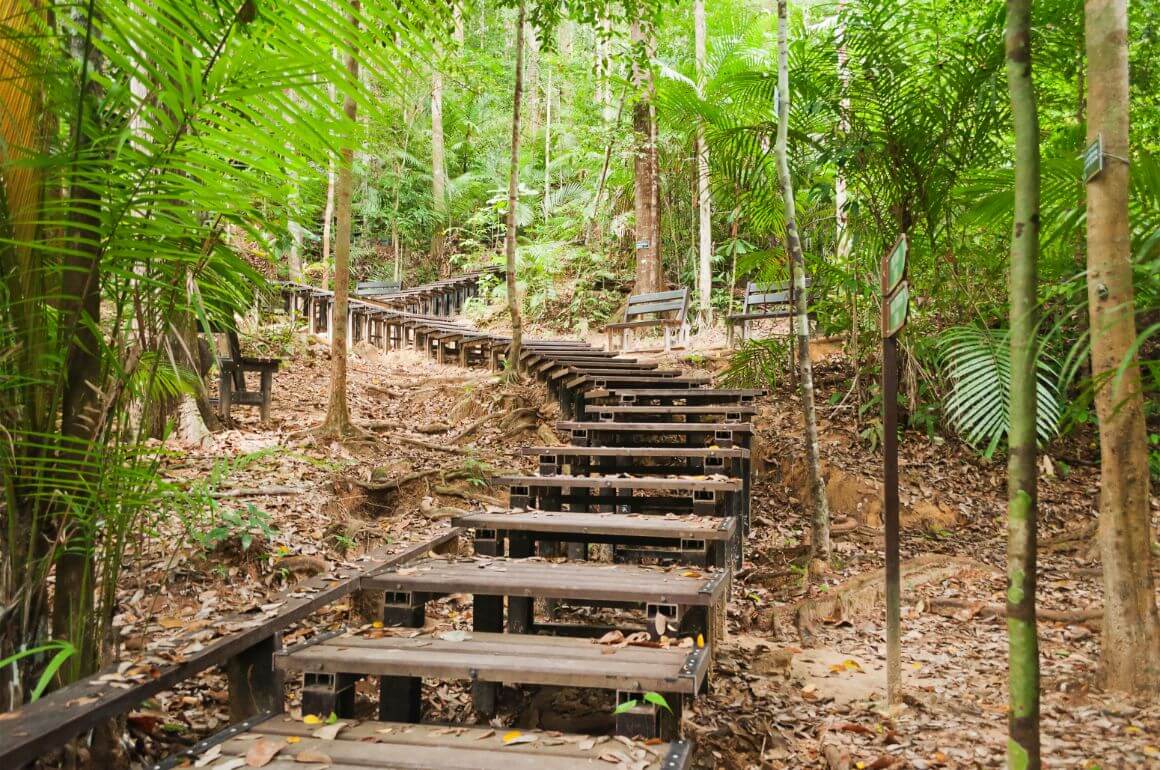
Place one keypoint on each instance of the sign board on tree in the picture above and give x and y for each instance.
(1093, 159)
(897, 306)
(894, 266)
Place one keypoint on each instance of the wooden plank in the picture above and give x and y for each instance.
(671, 409)
(568, 580)
(581, 664)
(621, 451)
(657, 427)
(683, 527)
(64, 714)
(618, 482)
(658, 295)
(653, 307)
(513, 645)
(398, 746)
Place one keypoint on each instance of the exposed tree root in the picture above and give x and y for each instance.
(980, 609)
(255, 492)
(436, 512)
(469, 494)
(399, 481)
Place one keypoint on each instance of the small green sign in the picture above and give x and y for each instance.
(1093, 159)
(894, 266)
(897, 306)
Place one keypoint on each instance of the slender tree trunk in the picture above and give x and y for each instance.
(338, 412)
(548, 147)
(1022, 493)
(644, 190)
(841, 215)
(438, 167)
(1131, 630)
(327, 219)
(80, 311)
(820, 520)
(513, 200)
(704, 204)
(532, 80)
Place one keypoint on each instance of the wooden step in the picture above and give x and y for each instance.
(721, 434)
(585, 381)
(507, 658)
(374, 745)
(667, 412)
(565, 454)
(667, 396)
(659, 483)
(539, 579)
(688, 539)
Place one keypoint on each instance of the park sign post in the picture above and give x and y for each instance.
(895, 307)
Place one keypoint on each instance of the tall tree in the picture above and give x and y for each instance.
(647, 221)
(1022, 491)
(337, 421)
(509, 245)
(438, 167)
(1131, 630)
(820, 518)
(704, 204)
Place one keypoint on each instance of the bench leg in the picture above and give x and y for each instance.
(668, 339)
(225, 396)
(254, 684)
(266, 387)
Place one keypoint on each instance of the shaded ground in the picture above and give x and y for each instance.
(797, 684)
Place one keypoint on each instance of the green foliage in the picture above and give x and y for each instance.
(654, 698)
(757, 363)
(61, 651)
(241, 525)
(977, 366)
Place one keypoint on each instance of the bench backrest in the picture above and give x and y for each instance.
(662, 304)
(760, 297)
(377, 287)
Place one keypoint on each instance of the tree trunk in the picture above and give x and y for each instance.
(532, 80)
(548, 147)
(820, 520)
(1131, 630)
(704, 204)
(327, 219)
(438, 167)
(644, 188)
(338, 412)
(513, 200)
(1022, 493)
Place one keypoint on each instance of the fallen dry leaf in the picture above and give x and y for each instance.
(330, 732)
(262, 752)
(313, 757)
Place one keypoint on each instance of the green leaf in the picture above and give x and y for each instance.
(628, 705)
(657, 699)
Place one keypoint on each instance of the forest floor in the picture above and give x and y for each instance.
(799, 680)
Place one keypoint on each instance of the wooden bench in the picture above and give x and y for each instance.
(666, 310)
(401, 662)
(232, 380)
(374, 745)
(762, 302)
(377, 288)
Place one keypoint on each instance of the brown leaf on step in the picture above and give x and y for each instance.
(313, 757)
(329, 732)
(612, 637)
(262, 752)
(485, 734)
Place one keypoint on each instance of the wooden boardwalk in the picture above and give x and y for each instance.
(639, 522)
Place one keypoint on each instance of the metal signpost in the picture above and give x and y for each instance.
(895, 306)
